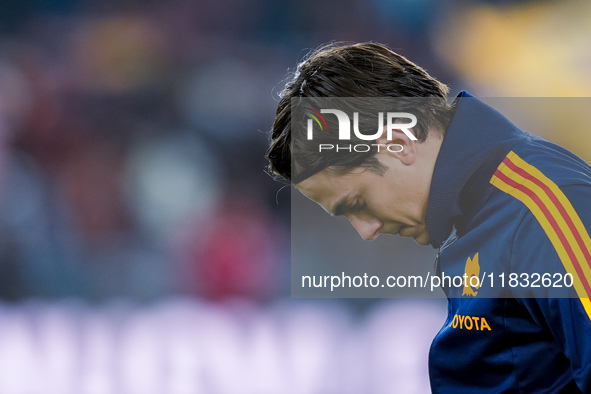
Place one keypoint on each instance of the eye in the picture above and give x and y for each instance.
(357, 207)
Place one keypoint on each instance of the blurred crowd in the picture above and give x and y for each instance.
(132, 137)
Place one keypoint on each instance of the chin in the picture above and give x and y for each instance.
(423, 239)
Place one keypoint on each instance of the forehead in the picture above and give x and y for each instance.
(327, 188)
(319, 185)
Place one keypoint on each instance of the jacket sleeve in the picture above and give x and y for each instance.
(554, 243)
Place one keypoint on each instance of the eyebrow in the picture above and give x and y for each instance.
(341, 205)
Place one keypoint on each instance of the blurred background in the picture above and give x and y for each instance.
(142, 247)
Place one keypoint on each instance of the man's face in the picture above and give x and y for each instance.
(394, 202)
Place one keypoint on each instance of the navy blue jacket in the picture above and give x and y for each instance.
(505, 204)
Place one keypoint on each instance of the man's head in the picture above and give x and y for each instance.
(365, 70)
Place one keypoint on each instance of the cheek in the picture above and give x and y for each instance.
(410, 205)
(391, 204)
(384, 210)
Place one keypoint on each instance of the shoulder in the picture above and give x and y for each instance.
(554, 162)
(544, 179)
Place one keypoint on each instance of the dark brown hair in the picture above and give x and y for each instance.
(357, 70)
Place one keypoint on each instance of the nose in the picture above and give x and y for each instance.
(368, 227)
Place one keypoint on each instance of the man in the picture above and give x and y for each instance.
(489, 196)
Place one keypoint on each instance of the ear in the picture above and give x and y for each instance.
(399, 146)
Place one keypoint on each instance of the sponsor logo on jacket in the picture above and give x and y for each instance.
(472, 269)
(477, 323)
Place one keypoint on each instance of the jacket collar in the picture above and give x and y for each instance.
(477, 140)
